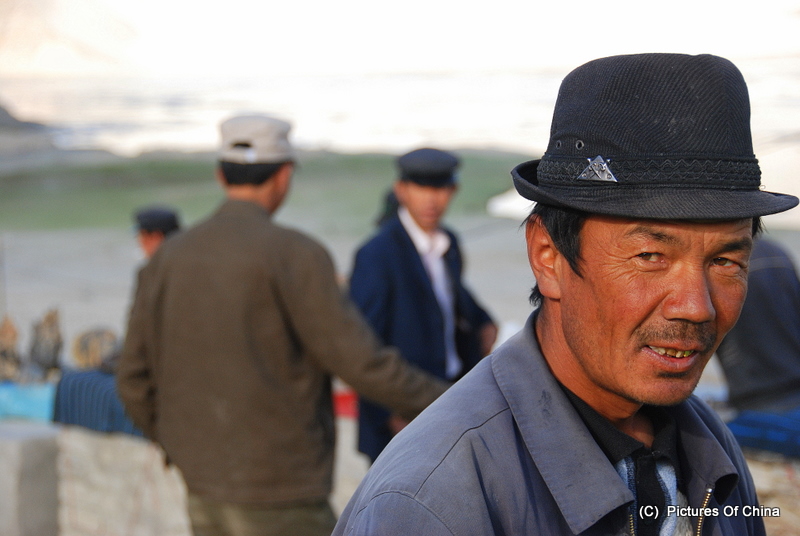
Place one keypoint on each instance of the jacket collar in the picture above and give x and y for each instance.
(704, 461)
(412, 259)
(580, 478)
(438, 241)
(235, 206)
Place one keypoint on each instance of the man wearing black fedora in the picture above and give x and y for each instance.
(647, 201)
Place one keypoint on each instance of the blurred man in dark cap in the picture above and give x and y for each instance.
(407, 282)
(88, 396)
(648, 199)
(153, 225)
(234, 334)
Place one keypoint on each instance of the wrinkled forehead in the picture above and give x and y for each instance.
(602, 229)
(602, 219)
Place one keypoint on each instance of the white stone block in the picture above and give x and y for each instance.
(28, 479)
(117, 485)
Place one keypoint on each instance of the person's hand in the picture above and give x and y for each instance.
(487, 336)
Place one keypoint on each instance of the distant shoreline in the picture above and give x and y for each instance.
(57, 189)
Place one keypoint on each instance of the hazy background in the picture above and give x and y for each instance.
(355, 76)
(359, 75)
(362, 81)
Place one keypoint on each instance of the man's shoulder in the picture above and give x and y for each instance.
(255, 226)
(390, 238)
(299, 239)
(443, 452)
(388, 233)
(295, 248)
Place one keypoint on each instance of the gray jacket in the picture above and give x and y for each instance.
(504, 452)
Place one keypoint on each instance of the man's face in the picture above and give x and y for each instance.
(652, 305)
(149, 241)
(426, 204)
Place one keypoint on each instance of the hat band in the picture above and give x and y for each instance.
(743, 174)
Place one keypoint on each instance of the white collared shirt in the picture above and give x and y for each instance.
(431, 248)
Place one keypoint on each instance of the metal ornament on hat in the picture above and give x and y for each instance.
(597, 170)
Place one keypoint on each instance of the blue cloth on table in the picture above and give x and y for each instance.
(30, 401)
(775, 431)
(89, 398)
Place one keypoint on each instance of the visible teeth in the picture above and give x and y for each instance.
(671, 352)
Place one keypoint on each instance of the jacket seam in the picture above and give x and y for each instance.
(455, 443)
(413, 498)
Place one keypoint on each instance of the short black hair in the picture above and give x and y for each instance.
(564, 227)
(235, 173)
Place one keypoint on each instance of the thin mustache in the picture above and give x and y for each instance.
(703, 334)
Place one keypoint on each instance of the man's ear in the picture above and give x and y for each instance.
(273, 192)
(284, 175)
(399, 191)
(545, 259)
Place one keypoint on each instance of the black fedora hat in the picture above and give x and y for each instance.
(656, 136)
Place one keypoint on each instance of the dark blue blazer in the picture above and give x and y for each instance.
(391, 287)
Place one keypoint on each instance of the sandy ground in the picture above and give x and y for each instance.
(87, 275)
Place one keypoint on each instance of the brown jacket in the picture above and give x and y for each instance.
(236, 328)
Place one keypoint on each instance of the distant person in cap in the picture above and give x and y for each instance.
(88, 396)
(647, 202)
(235, 332)
(153, 225)
(407, 281)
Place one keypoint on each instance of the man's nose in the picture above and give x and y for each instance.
(690, 297)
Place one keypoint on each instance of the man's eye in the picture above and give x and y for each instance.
(648, 256)
(722, 261)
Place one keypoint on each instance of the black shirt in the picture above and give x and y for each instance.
(618, 445)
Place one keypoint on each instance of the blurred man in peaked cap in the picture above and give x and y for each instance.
(647, 201)
(406, 281)
(153, 225)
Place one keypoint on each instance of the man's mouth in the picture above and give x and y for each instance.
(671, 352)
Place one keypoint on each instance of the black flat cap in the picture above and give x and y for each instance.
(428, 167)
(657, 136)
(160, 219)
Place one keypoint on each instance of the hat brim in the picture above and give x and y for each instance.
(667, 202)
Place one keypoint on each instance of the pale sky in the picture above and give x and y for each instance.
(165, 37)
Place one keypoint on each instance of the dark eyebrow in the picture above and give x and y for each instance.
(743, 244)
(647, 232)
